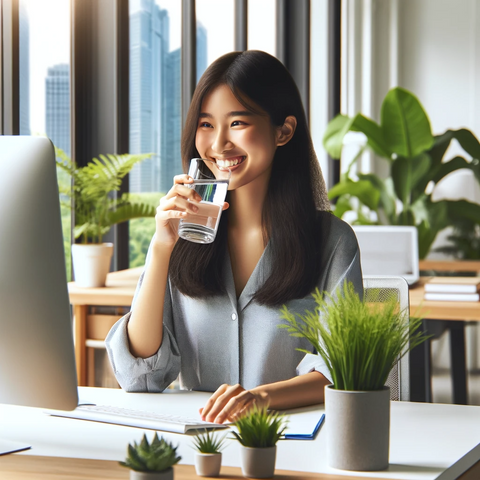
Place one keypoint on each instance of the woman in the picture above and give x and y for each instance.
(210, 312)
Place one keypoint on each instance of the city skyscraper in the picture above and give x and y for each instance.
(57, 106)
(155, 100)
(149, 47)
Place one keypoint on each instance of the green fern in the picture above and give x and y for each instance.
(93, 193)
(157, 456)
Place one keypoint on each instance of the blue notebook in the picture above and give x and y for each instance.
(290, 435)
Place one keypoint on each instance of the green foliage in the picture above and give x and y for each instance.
(93, 191)
(464, 240)
(259, 428)
(359, 341)
(157, 456)
(141, 230)
(209, 442)
(416, 163)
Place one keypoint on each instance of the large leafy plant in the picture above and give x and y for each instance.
(359, 340)
(92, 190)
(416, 161)
(157, 456)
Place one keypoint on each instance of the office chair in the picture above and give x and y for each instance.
(380, 289)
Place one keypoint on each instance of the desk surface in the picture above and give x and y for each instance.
(428, 441)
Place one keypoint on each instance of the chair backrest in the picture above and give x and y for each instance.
(388, 250)
(380, 289)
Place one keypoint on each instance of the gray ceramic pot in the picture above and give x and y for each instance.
(258, 462)
(165, 475)
(208, 464)
(358, 429)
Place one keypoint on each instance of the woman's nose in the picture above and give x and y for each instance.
(221, 142)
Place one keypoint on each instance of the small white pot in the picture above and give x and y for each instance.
(208, 464)
(91, 263)
(165, 475)
(258, 462)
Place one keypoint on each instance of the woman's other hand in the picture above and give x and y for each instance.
(231, 401)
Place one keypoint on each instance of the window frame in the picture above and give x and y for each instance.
(99, 27)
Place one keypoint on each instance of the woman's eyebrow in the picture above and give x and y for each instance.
(236, 113)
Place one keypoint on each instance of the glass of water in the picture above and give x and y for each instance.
(211, 183)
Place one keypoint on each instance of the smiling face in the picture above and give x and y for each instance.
(235, 138)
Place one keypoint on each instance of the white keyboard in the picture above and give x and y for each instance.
(136, 418)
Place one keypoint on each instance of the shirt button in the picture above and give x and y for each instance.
(234, 316)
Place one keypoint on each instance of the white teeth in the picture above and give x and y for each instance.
(228, 163)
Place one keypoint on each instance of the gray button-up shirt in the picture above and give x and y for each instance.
(223, 339)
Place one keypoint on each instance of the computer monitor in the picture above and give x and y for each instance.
(37, 362)
(389, 250)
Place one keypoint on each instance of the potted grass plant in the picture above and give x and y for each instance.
(360, 342)
(208, 455)
(151, 461)
(258, 433)
(92, 193)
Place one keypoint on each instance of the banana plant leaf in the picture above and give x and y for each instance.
(405, 125)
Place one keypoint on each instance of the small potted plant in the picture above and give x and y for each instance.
(360, 342)
(91, 192)
(151, 461)
(258, 433)
(208, 457)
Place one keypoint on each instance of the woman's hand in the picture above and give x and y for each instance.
(231, 401)
(175, 205)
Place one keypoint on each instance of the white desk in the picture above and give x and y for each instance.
(428, 441)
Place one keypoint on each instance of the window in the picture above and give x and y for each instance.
(261, 25)
(155, 108)
(44, 76)
(215, 31)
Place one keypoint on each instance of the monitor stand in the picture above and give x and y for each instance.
(8, 446)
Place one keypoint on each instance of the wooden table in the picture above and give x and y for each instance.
(440, 316)
(119, 291)
(427, 442)
(22, 467)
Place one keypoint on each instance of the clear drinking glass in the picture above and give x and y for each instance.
(212, 185)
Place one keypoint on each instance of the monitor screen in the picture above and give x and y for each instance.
(37, 363)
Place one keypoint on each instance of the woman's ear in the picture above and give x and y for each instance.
(286, 131)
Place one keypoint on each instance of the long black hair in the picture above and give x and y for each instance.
(295, 193)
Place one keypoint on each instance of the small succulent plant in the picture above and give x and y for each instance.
(209, 442)
(157, 456)
(260, 428)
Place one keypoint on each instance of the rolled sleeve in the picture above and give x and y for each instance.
(313, 363)
(152, 374)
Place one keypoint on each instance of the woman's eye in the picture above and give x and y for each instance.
(236, 123)
(204, 124)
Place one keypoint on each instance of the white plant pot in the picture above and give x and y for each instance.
(91, 263)
(358, 429)
(208, 464)
(258, 462)
(165, 475)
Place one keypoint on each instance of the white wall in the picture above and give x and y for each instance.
(430, 47)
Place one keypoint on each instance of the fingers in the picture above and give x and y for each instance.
(235, 407)
(219, 400)
(225, 205)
